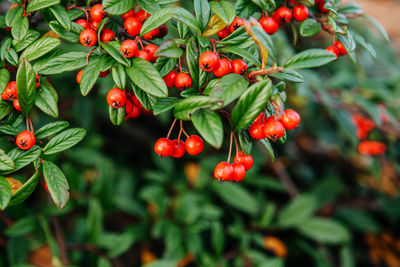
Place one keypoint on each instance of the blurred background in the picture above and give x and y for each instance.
(319, 203)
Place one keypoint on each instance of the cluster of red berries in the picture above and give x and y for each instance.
(25, 140)
(181, 80)
(129, 49)
(224, 171)
(338, 49)
(133, 24)
(176, 148)
(273, 128)
(210, 62)
(118, 98)
(88, 36)
(236, 24)
(283, 15)
(366, 147)
(10, 93)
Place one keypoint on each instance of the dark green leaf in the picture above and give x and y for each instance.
(22, 158)
(64, 140)
(184, 16)
(165, 65)
(150, 6)
(245, 141)
(28, 39)
(192, 57)
(6, 163)
(250, 104)
(267, 145)
(5, 192)
(217, 237)
(144, 98)
(62, 16)
(22, 227)
(203, 12)
(4, 79)
(288, 75)
(156, 19)
(61, 63)
(119, 76)
(50, 129)
(8, 129)
(224, 10)
(228, 89)
(113, 48)
(25, 190)
(57, 183)
(184, 108)
(209, 124)
(117, 7)
(90, 75)
(116, 115)
(40, 48)
(40, 4)
(20, 27)
(5, 109)
(71, 36)
(310, 27)
(310, 58)
(164, 104)
(297, 211)
(46, 99)
(242, 53)
(169, 49)
(26, 86)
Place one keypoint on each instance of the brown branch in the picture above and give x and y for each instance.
(60, 240)
(287, 182)
(271, 70)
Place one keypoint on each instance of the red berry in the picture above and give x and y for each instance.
(239, 172)
(163, 31)
(194, 145)
(153, 34)
(4, 96)
(151, 49)
(274, 129)
(116, 98)
(183, 81)
(130, 13)
(129, 48)
(144, 55)
(79, 76)
(107, 35)
(104, 74)
(300, 12)
(134, 112)
(37, 80)
(142, 15)
(247, 161)
(269, 25)
(224, 33)
(223, 171)
(239, 66)
(133, 26)
(179, 148)
(84, 23)
(94, 24)
(45, 187)
(169, 79)
(256, 130)
(128, 104)
(333, 49)
(290, 119)
(164, 147)
(321, 6)
(25, 140)
(16, 104)
(97, 13)
(371, 148)
(283, 15)
(88, 37)
(236, 24)
(209, 61)
(341, 48)
(11, 90)
(224, 68)
(136, 101)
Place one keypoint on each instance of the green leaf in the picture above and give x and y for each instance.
(310, 58)
(246, 143)
(40, 4)
(90, 75)
(365, 44)
(40, 48)
(113, 48)
(192, 56)
(165, 65)
(228, 89)
(146, 77)
(60, 63)
(5, 47)
(288, 75)
(265, 42)
(70, 36)
(6, 163)
(26, 86)
(5, 192)
(13, 14)
(117, 7)
(242, 53)
(203, 12)
(156, 19)
(324, 230)
(62, 16)
(46, 99)
(250, 104)
(4, 79)
(28, 39)
(51, 129)
(119, 75)
(184, 108)
(347, 257)
(164, 104)
(56, 183)
(150, 6)
(209, 124)
(8, 129)
(297, 211)
(236, 196)
(224, 10)
(116, 115)
(144, 98)
(267, 145)
(169, 49)
(64, 140)
(20, 27)
(21, 227)
(5, 109)
(378, 26)
(217, 237)
(184, 16)
(25, 190)
(310, 27)
(22, 158)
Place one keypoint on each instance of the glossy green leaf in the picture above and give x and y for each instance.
(324, 230)
(4, 79)
(245, 141)
(5, 109)
(119, 75)
(310, 27)
(310, 58)
(297, 211)
(169, 49)
(184, 108)
(228, 89)
(242, 53)
(5, 192)
(225, 10)
(40, 4)
(61, 63)
(40, 48)
(90, 75)
(117, 7)
(51, 129)
(113, 48)
(26, 86)
(62, 16)
(64, 140)
(6, 163)
(71, 36)
(116, 115)
(203, 12)
(22, 158)
(288, 75)
(184, 16)
(47, 99)
(20, 27)
(25, 190)
(156, 19)
(209, 124)
(28, 39)
(57, 183)
(164, 104)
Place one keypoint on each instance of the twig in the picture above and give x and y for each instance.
(271, 70)
(60, 240)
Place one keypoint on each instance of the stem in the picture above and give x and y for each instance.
(236, 144)
(271, 70)
(61, 241)
(88, 55)
(183, 130)
(180, 64)
(230, 148)
(172, 127)
(27, 123)
(139, 41)
(225, 57)
(31, 124)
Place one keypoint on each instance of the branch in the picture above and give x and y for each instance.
(60, 240)
(271, 70)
